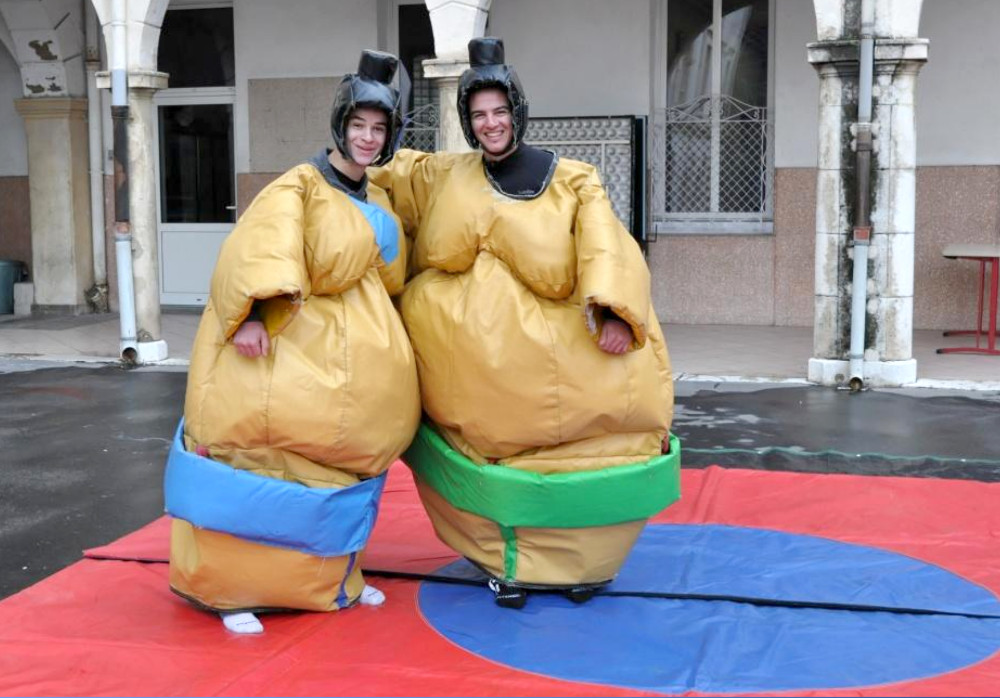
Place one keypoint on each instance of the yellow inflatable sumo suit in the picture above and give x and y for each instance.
(276, 483)
(504, 308)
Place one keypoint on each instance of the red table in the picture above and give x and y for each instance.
(984, 254)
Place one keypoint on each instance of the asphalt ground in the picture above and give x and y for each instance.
(82, 452)
(82, 448)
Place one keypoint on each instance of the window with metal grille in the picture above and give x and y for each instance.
(416, 44)
(422, 120)
(711, 144)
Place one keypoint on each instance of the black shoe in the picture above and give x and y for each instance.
(580, 594)
(507, 596)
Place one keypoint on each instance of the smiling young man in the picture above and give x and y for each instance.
(302, 388)
(530, 317)
(364, 139)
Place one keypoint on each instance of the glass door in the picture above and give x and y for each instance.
(197, 192)
(195, 157)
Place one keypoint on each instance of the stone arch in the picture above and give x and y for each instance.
(145, 17)
(838, 19)
(830, 20)
(898, 19)
(455, 22)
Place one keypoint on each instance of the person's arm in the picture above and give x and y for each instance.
(612, 275)
(407, 179)
(261, 264)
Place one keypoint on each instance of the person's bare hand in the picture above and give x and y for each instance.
(616, 336)
(251, 339)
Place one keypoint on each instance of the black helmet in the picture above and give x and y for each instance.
(369, 87)
(487, 69)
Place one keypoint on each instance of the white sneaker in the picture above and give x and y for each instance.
(242, 623)
(370, 596)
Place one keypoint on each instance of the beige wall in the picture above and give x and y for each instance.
(743, 279)
(289, 120)
(795, 241)
(768, 279)
(954, 205)
(714, 280)
(249, 185)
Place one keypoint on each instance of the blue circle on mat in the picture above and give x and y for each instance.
(672, 645)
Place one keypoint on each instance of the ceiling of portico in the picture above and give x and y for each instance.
(46, 39)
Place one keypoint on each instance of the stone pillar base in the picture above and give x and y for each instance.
(151, 352)
(878, 374)
(24, 296)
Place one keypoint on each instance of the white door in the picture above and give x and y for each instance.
(197, 191)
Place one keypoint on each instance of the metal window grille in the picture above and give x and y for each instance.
(605, 143)
(421, 131)
(711, 161)
(422, 124)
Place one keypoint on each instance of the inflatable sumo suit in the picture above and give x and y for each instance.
(542, 462)
(277, 514)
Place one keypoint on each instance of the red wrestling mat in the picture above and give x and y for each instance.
(108, 625)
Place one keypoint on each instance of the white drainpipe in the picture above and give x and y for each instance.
(128, 345)
(862, 223)
(96, 148)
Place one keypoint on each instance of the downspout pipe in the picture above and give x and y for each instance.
(98, 295)
(861, 237)
(128, 344)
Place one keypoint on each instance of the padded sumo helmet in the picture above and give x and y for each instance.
(369, 87)
(487, 69)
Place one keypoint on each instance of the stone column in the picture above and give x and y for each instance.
(142, 85)
(455, 23)
(62, 250)
(835, 167)
(445, 73)
(897, 63)
(888, 356)
(142, 207)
